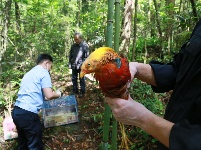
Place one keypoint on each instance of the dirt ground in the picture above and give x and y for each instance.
(86, 134)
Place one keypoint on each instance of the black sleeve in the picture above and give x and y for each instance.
(86, 50)
(165, 76)
(184, 136)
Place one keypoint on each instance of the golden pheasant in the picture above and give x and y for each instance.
(112, 72)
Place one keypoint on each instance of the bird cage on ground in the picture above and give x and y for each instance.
(60, 111)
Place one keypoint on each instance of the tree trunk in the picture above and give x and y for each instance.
(84, 10)
(1, 37)
(180, 4)
(158, 26)
(170, 12)
(157, 18)
(134, 31)
(193, 5)
(127, 26)
(78, 14)
(18, 28)
(5, 26)
(17, 16)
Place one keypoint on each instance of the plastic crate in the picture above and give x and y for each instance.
(60, 111)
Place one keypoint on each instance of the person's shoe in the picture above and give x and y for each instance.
(75, 92)
(81, 95)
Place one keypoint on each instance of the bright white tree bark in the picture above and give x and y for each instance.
(127, 25)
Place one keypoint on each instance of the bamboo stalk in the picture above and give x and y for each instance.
(109, 37)
(117, 25)
(116, 48)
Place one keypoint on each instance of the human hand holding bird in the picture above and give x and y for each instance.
(128, 112)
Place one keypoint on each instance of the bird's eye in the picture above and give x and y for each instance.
(89, 64)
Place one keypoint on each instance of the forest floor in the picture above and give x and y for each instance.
(86, 134)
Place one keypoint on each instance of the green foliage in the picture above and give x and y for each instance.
(97, 117)
(143, 93)
(1, 95)
(60, 64)
(8, 87)
(9, 96)
(47, 26)
(66, 140)
(11, 75)
(93, 23)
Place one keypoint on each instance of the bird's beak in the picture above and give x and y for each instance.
(82, 73)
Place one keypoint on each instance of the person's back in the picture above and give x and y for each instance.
(30, 96)
(34, 88)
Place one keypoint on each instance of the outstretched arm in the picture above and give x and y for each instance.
(133, 113)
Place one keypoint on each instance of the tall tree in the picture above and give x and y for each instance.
(193, 5)
(78, 14)
(17, 16)
(5, 26)
(127, 25)
(134, 31)
(158, 25)
(170, 22)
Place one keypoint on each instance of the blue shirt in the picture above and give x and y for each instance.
(30, 95)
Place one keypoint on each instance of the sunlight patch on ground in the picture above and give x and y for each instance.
(88, 76)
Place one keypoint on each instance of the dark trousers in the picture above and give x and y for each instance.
(75, 74)
(29, 129)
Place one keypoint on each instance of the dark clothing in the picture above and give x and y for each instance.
(78, 53)
(183, 76)
(75, 73)
(29, 130)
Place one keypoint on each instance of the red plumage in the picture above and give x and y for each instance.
(111, 70)
(114, 81)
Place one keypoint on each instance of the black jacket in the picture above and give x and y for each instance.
(78, 53)
(183, 76)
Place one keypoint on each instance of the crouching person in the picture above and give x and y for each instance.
(35, 87)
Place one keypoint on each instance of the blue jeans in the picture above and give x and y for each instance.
(29, 129)
(75, 73)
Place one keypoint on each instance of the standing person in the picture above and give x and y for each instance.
(78, 53)
(181, 127)
(35, 87)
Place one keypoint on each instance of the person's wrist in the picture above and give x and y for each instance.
(145, 120)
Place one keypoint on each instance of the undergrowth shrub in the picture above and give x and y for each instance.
(142, 93)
